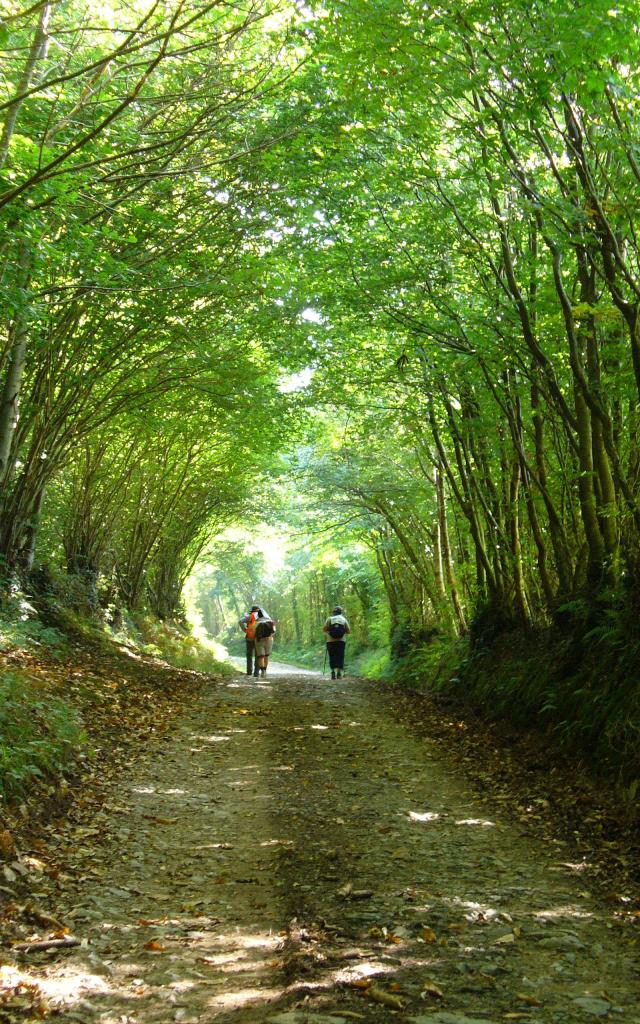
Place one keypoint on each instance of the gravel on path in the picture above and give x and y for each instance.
(291, 853)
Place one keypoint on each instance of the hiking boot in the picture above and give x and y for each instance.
(333, 675)
(339, 675)
(256, 673)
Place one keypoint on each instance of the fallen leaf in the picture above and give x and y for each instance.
(502, 940)
(429, 988)
(529, 1000)
(154, 945)
(385, 998)
(428, 935)
(7, 845)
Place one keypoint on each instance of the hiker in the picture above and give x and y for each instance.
(248, 624)
(336, 627)
(264, 632)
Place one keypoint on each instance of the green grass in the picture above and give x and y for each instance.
(433, 666)
(178, 647)
(370, 663)
(40, 736)
(583, 692)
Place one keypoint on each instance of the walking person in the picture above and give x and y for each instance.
(248, 625)
(336, 627)
(264, 632)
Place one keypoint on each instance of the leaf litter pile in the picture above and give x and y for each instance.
(289, 851)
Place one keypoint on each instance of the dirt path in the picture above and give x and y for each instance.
(291, 853)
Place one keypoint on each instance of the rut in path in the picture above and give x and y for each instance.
(291, 852)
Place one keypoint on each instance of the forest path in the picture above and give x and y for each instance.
(292, 853)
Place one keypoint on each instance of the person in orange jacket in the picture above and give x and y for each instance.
(248, 626)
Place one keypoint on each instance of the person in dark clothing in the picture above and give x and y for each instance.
(248, 626)
(336, 627)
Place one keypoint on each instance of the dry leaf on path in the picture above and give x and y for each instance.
(429, 988)
(385, 998)
(529, 1000)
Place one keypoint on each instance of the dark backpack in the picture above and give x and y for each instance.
(337, 630)
(264, 628)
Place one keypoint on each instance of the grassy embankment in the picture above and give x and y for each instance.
(577, 686)
(63, 687)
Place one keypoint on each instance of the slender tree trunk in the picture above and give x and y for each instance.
(296, 616)
(36, 52)
(516, 547)
(446, 550)
(10, 397)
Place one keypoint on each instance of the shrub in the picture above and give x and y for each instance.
(39, 736)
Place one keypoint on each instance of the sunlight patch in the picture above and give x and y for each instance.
(579, 867)
(568, 911)
(244, 997)
(480, 822)
(60, 989)
(426, 816)
(367, 970)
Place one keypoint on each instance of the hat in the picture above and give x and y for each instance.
(255, 607)
(337, 610)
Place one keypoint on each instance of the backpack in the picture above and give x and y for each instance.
(264, 628)
(337, 630)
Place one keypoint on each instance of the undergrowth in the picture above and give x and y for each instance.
(21, 628)
(40, 735)
(581, 691)
(41, 732)
(179, 647)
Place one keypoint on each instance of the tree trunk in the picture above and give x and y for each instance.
(10, 398)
